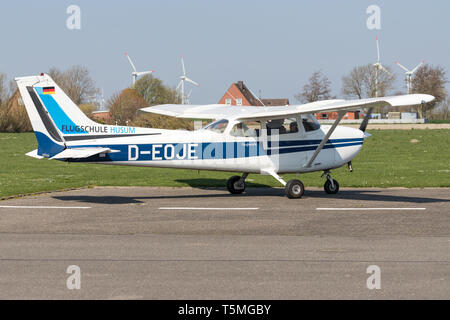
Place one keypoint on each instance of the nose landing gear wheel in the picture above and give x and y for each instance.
(236, 185)
(331, 188)
(294, 189)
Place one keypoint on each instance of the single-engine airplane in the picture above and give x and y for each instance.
(245, 139)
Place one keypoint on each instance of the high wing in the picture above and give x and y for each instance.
(220, 111)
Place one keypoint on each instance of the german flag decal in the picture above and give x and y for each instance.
(48, 90)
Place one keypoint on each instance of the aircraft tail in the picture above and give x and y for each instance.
(52, 114)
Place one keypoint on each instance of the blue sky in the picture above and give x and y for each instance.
(273, 46)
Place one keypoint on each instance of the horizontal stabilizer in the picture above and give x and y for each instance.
(34, 154)
(79, 153)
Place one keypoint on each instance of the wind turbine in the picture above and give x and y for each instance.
(378, 66)
(409, 74)
(135, 73)
(183, 79)
(188, 97)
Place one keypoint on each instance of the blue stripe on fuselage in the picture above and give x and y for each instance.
(209, 150)
(290, 143)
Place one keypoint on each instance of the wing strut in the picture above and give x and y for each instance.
(325, 139)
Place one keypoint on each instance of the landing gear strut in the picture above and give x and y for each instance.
(236, 184)
(331, 186)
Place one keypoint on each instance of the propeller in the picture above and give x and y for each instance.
(365, 121)
(363, 128)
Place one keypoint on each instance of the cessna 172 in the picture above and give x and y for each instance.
(262, 140)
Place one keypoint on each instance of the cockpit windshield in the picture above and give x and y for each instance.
(217, 126)
(310, 122)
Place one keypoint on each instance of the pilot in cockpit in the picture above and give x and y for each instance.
(276, 124)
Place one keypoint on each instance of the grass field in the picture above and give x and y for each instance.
(390, 158)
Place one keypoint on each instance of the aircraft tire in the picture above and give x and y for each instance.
(233, 185)
(329, 189)
(294, 189)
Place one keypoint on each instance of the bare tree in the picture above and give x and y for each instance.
(317, 88)
(441, 111)
(360, 82)
(75, 82)
(429, 80)
(3, 90)
(13, 116)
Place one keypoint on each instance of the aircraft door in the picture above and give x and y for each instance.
(285, 141)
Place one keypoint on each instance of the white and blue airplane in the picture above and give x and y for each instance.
(244, 139)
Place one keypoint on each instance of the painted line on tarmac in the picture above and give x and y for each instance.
(366, 209)
(41, 207)
(204, 208)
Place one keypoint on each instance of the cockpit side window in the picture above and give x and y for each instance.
(246, 129)
(282, 126)
(217, 126)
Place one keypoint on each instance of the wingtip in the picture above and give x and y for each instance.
(428, 98)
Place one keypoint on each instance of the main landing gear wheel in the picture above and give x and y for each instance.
(294, 189)
(331, 188)
(236, 185)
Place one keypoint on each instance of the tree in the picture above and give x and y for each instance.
(147, 91)
(317, 88)
(360, 82)
(13, 116)
(154, 91)
(88, 109)
(124, 106)
(440, 112)
(75, 82)
(3, 90)
(429, 80)
(151, 120)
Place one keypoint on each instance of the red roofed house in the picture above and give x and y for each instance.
(239, 95)
(351, 115)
